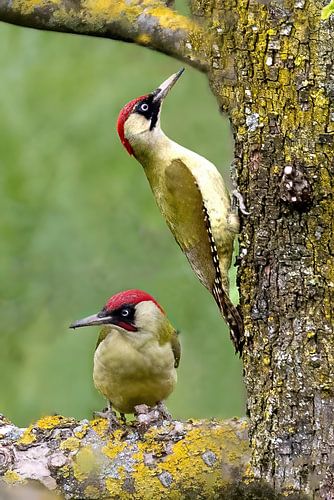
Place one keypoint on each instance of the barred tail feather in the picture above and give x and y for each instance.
(227, 308)
(231, 316)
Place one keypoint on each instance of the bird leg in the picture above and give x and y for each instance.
(110, 415)
(162, 409)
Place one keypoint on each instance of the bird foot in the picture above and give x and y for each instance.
(238, 200)
(152, 415)
(101, 414)
(162, 409)
(110, 415)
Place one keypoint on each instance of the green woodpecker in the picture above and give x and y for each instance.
(137, 351)
(191, 195)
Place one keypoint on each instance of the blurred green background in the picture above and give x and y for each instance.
(79, 223)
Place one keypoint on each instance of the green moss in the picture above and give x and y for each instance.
(327, 11)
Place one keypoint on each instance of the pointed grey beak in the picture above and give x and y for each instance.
(92, 320)
(165, 87)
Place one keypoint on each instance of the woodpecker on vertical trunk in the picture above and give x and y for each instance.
(191, 195)
(137, 351)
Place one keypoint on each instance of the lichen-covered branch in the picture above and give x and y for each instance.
(150, 23)
(83, 460)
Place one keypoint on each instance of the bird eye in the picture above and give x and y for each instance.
(144, 107)
(125, 313)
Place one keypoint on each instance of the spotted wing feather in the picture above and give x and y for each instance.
(188, 219)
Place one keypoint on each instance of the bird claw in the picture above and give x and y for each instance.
(238, 200)
(151, 415)
(162, 409)
(110, 415)
(101, 414)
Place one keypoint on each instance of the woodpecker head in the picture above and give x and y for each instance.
(132, 313)
(139, 120)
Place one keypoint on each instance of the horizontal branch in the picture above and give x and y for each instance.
(83, 460)
(149, 23)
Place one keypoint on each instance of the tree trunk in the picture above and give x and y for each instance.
(270, 65)
(272, 72)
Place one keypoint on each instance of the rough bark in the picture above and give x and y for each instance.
(270, 64)
(164, 460)
(273, 74)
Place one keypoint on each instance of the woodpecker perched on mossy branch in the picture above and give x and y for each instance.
(137, 352)
(191, 195)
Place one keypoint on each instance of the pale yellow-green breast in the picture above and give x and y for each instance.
(184, 185)
(127, 375)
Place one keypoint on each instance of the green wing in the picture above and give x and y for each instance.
(185, 215)
(184, 206)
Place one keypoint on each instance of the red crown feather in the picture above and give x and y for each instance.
(122, 117)
(129, 297)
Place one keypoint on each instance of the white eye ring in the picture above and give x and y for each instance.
(144, 107)
(125, 313)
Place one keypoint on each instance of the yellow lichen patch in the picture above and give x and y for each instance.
(188, 461)
(150, 445)
(72, 443)
(85, 462)
(266, 360)
(64, 17)
(320, 99)
(143, 39)
(284, 77)
(194, 461)
(106, 8)
(170, 19)
(92, 492)
(27, 437)
(114, 446)
(82, 432)
(114, 487)
(198, 44)
(11, 477)
(50, 422)
(147, 483)
(28, 6)
(65, 471)
(248, 474)
(100, 426)
(102, 11)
